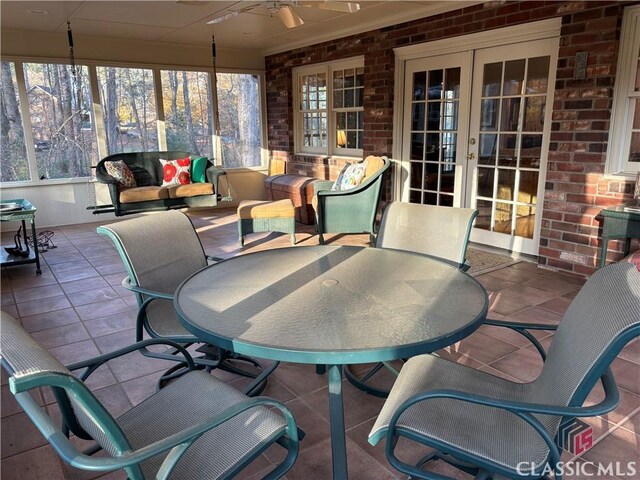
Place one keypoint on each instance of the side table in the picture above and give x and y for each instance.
(620, 221)
(20, 210)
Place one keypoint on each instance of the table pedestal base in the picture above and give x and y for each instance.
(336, 414)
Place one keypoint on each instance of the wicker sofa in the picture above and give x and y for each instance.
(152, 195)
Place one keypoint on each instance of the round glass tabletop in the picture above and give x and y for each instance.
(331, 305)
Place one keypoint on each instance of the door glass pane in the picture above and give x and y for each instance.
(483, 220)
(506, 184)
(510, 114)
(507, 155)
(435, 84)
(487, 149)
(415, 179)
(450, 115)
(489, 115)
(537, 75)
(419, 85)
(417, 116)
(503, 217)
(513, 77)
(417, 146)
(431, 176)
(530, 151)
(446, 178)
(415, 196)
(432, 148)
(634, 150)
(492, 79)
(525, 220)
(446, 200)
(430, 198)
(528, 189)
(534, 114)
(433, 115)
(452, 84)
(485, 182)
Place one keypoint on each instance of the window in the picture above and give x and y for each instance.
(329, 108)
(239, 108)
(624, 140)
(187, 111)
(61, 124)
(15, 166)
(129, 109)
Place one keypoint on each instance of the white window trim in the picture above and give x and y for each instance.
(97, 111)
(330, 150)
(621, 113)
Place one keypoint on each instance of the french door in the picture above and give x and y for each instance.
(476, 134)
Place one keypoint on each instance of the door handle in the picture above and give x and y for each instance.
(471, 156)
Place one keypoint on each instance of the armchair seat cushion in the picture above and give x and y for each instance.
(143, 194)
(180, 406)
(190, 190)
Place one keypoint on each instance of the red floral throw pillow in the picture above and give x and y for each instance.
(176, 172)
(119, 170)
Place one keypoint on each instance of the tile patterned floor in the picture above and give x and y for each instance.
(78, 309)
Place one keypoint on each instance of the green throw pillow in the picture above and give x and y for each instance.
(198, 166)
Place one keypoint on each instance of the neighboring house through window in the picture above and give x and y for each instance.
(329, 108)
(624, 139)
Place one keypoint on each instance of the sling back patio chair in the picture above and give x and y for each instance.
(197, 427)
(491, 426)
(438, 232)
(159, 252)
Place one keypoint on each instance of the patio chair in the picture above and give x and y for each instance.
(159, 252)
(353, 210)
(438, 232)
(196, 427)
(490, 426)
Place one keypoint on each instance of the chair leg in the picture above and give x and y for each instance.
(361, 382)
(321, 239)
(321, 369)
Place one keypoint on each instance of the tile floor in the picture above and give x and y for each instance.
(78, 309)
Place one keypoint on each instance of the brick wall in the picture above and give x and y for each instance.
(575, 189)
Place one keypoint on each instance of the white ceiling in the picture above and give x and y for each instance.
(170, 22)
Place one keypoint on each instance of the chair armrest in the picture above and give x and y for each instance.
(213, 174)
(126, 283)
(321, 186)
(522, 329)
(93, 363)
(179, 441)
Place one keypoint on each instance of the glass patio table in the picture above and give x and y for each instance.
(331, 306)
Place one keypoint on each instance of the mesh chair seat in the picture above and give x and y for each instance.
(490, 433)
(218, 450)
(163, 322)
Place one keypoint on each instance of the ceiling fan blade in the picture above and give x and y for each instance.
(288, 17)
(346, 7)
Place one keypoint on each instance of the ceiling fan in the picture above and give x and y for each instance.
(285, 12)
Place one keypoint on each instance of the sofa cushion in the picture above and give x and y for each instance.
(250, 209)
(176, 171)
(142, 176)
(120, 171)
(190, 190)
(143, 194)
(198, 167)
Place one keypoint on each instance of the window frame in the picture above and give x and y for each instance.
(97, 111)
(624, 97)
(331, 150)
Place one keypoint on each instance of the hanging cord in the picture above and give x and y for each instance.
(91, 193)
(216, 113)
